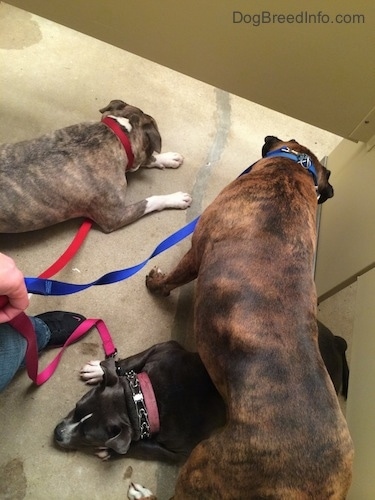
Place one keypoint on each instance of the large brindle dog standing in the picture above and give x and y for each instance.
(256, 332)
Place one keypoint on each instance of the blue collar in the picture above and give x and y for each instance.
(302, 158)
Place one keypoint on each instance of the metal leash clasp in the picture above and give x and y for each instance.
(304, 160)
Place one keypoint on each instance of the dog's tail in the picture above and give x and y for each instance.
(342, 347)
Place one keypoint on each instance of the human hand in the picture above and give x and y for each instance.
(12, 286)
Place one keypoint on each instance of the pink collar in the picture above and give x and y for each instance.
(124, 139)
(150, 402)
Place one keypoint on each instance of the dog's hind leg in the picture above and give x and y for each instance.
(162, 284)
(136, 492)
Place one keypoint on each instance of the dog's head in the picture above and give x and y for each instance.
(100, 418)
(325, 189)
(138, 121)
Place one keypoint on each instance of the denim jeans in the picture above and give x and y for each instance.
(13, 348)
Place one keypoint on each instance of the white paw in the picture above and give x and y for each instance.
(168, 160)
(136, 491)
(175, 200)
(92, 372)
(178, 200)
(103, 453)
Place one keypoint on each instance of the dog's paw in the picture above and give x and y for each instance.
(153, 282)
(92, 372)
(137, 491)
(178, 200)
(168, 160)
(160, 202)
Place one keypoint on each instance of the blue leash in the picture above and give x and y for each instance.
(42, 286)
(51, 287)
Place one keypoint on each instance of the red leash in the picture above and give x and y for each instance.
(23, 325)
(69, 253)
(22, 322)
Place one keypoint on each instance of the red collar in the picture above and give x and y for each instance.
(124, 139)
(150, 402)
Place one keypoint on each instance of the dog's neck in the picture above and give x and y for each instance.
(301, 158)
(141, 403)
(117, 125)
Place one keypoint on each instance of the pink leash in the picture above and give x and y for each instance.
(23, 325)
(22, 322)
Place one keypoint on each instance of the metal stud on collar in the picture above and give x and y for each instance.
(139, 402)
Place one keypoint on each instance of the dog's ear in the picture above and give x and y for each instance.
(269, 143)
(110, 377)
(114, 105)
(121, 441)
(325, 189)
(152, 136)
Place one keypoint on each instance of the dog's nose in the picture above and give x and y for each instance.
(58, 433)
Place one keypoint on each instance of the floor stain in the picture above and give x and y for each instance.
(128, 472)
(13, 481)
(223, 124)
(17, 35)
(89, 348)
(182, 329)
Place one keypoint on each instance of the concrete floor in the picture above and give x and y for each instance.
(53, 77)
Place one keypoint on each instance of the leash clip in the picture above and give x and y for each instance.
(304, 160)
(112, 355)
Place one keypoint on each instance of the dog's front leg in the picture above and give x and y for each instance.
(92, 372)
(156, 203)
(162, 284)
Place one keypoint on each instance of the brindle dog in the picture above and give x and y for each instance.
(256, 332)
(79, 171)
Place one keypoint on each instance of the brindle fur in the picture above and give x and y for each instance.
(78, 171)
(256, 332)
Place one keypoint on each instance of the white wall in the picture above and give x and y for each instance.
(360, 409)
(346, 246)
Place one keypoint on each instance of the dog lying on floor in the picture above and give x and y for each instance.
(255, 329)
(189, 406)
(79, 171)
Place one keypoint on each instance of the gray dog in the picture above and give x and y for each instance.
(79, 171)
(190, 408)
